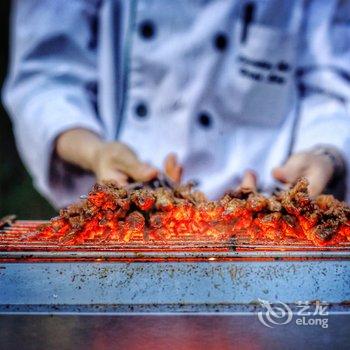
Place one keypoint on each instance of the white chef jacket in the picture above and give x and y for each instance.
(228, 85)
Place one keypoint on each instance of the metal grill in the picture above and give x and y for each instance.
(176, 277)
(14, 245)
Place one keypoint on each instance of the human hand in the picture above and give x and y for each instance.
(317, 167)
(115, 161)
(109, 161)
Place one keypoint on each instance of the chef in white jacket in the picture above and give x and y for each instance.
(107, 89)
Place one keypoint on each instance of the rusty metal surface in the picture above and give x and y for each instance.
(68, 285)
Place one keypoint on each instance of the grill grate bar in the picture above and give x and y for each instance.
(11, 240)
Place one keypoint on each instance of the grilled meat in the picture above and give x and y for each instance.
(160, 213)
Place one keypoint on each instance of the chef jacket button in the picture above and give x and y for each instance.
(147, 29)
(220, 41)
(283, 66)
(204, 119)
(141, 110)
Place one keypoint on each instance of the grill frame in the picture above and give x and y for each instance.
(204, 280)
(158, 280)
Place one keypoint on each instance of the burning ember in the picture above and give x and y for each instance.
(162, 213)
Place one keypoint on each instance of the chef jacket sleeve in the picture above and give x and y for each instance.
(50, 87)
(324, 79)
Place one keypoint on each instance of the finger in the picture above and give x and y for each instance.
(178, 174)
(172, 168)
(291, 170)
(115, 176)
(142, 172)
(318, 175)
(128, 163)
(170, 163)
(249, 180)
(316, 184)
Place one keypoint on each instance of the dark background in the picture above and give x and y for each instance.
(17, 195)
